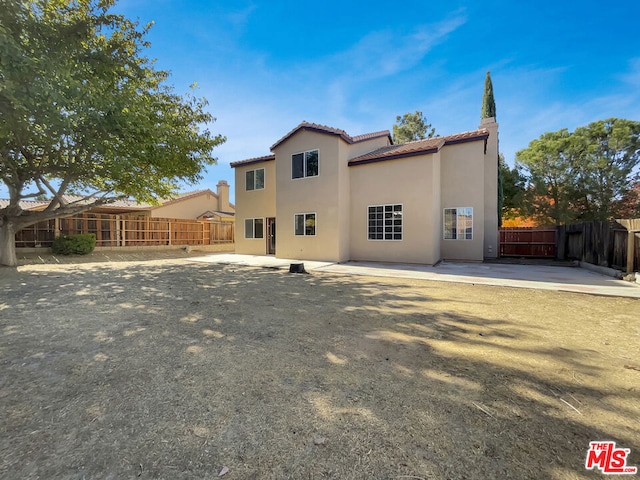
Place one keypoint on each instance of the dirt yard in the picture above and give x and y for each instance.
(173, 369)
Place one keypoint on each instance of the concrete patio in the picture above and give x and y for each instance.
(544, 277)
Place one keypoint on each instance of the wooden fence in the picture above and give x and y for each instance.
(129, 230)
(528, 242)
(614, 244)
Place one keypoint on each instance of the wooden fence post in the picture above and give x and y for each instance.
(631, 244)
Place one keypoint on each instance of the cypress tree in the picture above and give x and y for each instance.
(488, 102)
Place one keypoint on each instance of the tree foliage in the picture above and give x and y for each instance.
(84, 111)
(412, 126)
(582, 175)
(488, 102)
(513, 184)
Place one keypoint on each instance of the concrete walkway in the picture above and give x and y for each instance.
(544, 277)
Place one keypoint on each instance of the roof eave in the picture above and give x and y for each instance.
(396, 156)
(252, 161)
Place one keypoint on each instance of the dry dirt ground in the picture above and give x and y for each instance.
(173, 369)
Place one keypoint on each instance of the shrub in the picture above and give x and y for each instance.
(79, 244)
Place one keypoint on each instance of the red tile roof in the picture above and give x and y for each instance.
(369, 136)
(249, 161)
(314, 127)
(419, 147)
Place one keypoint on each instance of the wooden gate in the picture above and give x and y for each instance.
(528, 242)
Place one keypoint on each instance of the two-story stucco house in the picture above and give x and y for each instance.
(325, 195)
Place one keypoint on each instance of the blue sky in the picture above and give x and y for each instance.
(266, 66)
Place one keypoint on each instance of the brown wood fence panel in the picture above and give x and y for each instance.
(40, 234)
(222, 232)
(528, 242)
(603, 243)
(129, 230)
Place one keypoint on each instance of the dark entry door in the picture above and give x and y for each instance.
(271, 236)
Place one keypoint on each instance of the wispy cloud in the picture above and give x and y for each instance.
(632, 77)
(384, 53)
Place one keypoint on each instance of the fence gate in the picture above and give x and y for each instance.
(528, 242)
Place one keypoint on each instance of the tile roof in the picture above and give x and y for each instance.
(314, 127)
(369, 136)
(120, 203)
(249, 161)
(24, 204)
(419, 147)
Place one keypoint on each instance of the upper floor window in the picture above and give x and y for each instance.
(304, 164)
(254, 179)
(458, 223)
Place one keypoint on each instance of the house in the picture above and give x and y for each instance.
(199, 204)
(325, 195)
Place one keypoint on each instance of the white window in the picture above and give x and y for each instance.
(304, 224)
(254, 179)
(304, 164)
(253, 228)
(385, 222)
(458, 223)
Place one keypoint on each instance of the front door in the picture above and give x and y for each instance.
(271, 236)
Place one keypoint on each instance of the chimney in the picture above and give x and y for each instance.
(222, 190)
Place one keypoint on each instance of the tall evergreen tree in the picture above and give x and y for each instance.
(488, 102)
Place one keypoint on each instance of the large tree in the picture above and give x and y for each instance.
(412, 126)
(582, 175)
(513, 184)
(83, 111)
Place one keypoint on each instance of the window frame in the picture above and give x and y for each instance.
(247, 172)
(459, 232)
(384, 225)
(304, 164)
(253, 226)
(304, 215)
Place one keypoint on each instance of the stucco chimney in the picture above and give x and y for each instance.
(222, 190)
(491, 189)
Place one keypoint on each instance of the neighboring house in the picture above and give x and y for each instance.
(200, 204)
(325, 195)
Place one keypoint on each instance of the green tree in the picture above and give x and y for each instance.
(550, 165)
(585, 174)
(610, 153)
(83, 111)
(514, 186)
(412, 126)
(488, 102)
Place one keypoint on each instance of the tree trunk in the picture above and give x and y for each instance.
(8, 244)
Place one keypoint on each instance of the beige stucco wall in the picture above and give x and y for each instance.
(254, 204)
(187, 208)
(412, 182)
(321, 195)
(462, 180)
(491, 190)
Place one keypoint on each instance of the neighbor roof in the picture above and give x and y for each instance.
(419, 147)
(121, 203)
